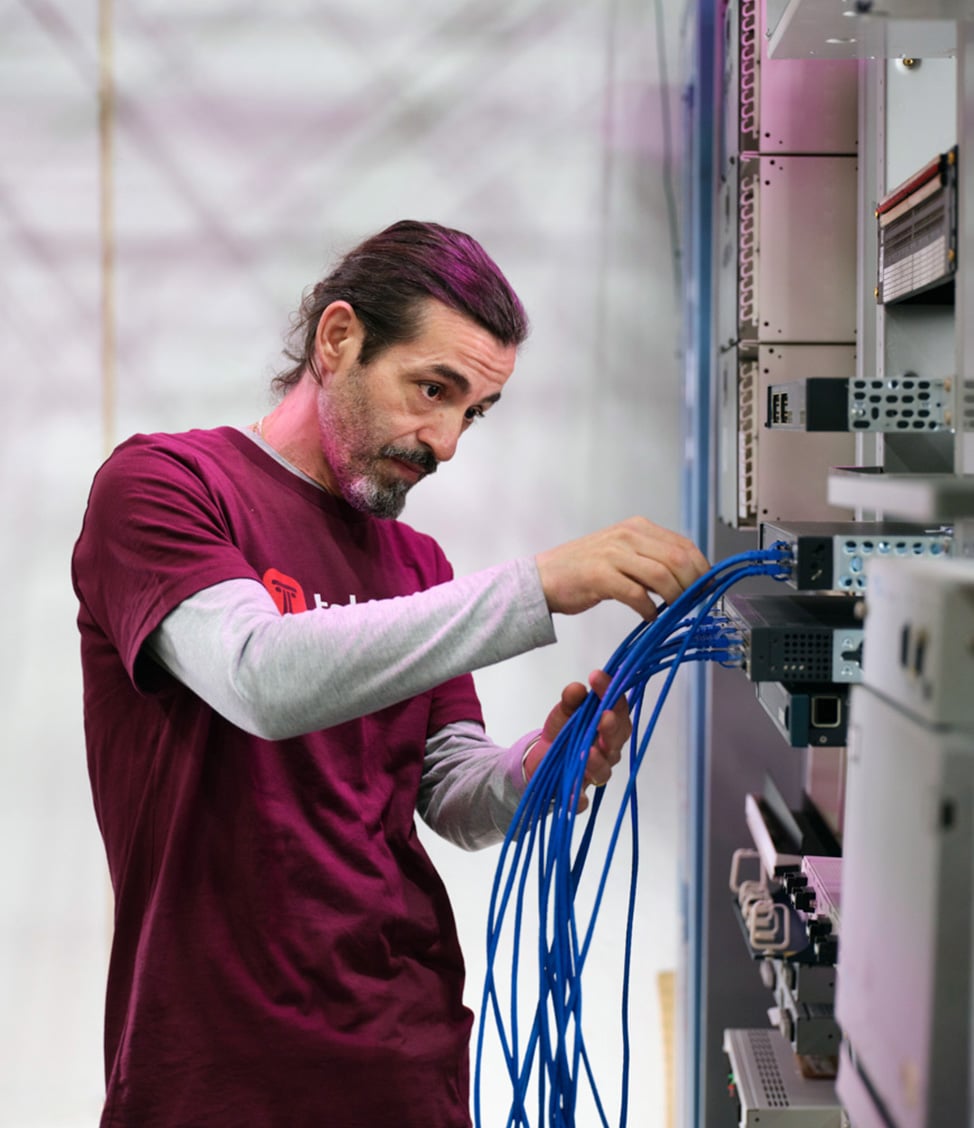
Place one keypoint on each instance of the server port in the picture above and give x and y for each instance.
(826, 712)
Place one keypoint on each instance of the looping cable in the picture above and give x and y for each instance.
(548, 1052)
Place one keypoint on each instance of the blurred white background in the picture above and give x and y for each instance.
(250, 143)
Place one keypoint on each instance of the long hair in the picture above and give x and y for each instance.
(386, 280)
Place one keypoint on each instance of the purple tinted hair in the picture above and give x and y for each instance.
(387, 279)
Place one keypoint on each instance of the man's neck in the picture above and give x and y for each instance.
(292, 430)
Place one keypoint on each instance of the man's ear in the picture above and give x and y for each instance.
(338, 338)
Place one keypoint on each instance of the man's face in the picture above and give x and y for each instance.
(384, 426)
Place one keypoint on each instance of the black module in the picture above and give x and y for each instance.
(798, 638)
(807, 714)
(820, 403)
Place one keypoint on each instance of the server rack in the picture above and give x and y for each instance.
(785, 296)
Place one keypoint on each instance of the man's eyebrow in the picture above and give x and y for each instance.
(460, 382)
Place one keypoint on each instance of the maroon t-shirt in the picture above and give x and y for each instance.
(284, 952)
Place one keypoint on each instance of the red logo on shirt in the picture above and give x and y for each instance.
(286, 592)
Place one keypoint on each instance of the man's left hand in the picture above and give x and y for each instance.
(613, 731)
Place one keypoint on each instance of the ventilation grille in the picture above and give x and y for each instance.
(905, 403)
(967, 406)
(803, 656)
(772, 1083)
(747, 399)
(749, 76)
(747, 252)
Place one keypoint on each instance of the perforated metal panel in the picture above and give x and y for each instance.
(770, 1088)
(773, 1089)
(904, 403)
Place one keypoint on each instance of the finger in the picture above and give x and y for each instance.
(664, 558)
(686, 555)
(629, 590)
(600, 681)
(615, 726)
(572, 697)
(612, 734)
(665, 572)
(597, 774)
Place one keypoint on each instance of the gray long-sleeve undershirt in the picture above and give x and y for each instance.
(280, 676)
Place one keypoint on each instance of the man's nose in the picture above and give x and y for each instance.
(441, 434)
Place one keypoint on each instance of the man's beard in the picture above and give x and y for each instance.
(347, 427)
(368, 494)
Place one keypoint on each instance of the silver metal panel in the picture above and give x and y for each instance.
(771, 1090)
(792, 466)
(803, 982)
(964, 444)
(921, 118)
(821, 29)
(846, 668)
(851, 552)
(806, 273)
(919, 339)
(857, 1100)
(872, 166)
(737, 436)
(902, 995)
(727, 431)
(825, 877)
(806, 105)
(918, 9)
(920, 121)
(914, 497)
(901, 404)
(728, 216)
(782, 107)
(919, 647)
(825, 784)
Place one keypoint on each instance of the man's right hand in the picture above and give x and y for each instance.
(625, 562)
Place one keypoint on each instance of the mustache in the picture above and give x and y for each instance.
(423, 458)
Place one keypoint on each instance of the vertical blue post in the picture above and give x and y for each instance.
(699, 200)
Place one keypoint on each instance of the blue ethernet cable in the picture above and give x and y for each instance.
(540, 840)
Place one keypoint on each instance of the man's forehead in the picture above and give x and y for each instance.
(460, 349)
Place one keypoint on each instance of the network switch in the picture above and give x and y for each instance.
(771, 1089)
(829, 556)
(899, 405)
(796, 638)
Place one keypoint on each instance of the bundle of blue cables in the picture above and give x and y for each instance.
(550, 1053)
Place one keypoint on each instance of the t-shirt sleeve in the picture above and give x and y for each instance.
(153, 534)
(455, 699)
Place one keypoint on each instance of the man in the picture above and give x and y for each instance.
(277, 676)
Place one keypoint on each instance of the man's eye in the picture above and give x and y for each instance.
(431, 391)
(473, 413)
